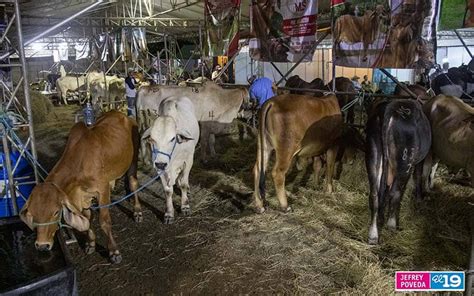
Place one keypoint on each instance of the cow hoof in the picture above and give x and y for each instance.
(287, 209)
(260, 210)
(373, 241)
(168, 219)
(115, 257)
(186, 210)
(138, 217)
(89, 249)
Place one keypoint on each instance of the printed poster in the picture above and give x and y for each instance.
(222, 27)
(385, 34)
(283, 30)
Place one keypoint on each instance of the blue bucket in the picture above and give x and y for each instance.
(23, 173)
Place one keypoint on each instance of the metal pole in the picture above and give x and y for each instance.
(409, 92)
(21, 54)
(278, 70)
(11, 184)
(7, 54)
(228, 64)
(463, 43)
(470, 275)
(201, 50)
(322, 66)
(158, 59)
(120, 56)
(168, 74)
(333, 52)
(303, 57)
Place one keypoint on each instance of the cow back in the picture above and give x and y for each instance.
(104, 151)
(452, 123)
(311, 123)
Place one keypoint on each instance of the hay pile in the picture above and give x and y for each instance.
(41, 107)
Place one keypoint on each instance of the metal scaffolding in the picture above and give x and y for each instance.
(15, 114)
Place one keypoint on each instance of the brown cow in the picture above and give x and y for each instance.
(295, 125)
(344, 84)
(296, 82)
(93, 159)
(423, 95)
(452, 127)
(353, 29)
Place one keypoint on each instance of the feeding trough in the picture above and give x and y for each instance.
(23, 269)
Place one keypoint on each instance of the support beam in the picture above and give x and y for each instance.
(229, 62)
(53, 28)
(26, 86)
(463, 43)
(278, 70)
(177, 7)
(403, 86)
(320, 39)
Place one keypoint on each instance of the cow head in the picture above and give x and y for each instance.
(47, 206)
(164, 136)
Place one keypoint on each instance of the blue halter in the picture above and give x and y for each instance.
(155, 152)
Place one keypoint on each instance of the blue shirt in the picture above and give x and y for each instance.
(261, 90)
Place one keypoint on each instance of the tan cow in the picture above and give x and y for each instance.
(353, 29)
(452, 127)
(93, 158)
(295, 125)
(215, 108)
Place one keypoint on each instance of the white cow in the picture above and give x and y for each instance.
(173, 137)
(215, 108)
(67, 83)
(113, 90)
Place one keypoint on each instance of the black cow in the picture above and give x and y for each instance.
(296, 82)
(457, 82)
(398, 140)
(51, 78)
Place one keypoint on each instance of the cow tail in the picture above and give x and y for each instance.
(262, 128)
(385, 157)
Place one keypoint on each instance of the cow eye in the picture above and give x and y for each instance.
(172, 140)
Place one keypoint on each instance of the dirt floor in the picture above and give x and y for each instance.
(224, 248)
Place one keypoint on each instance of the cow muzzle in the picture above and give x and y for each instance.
(161, 165)
(43, 246)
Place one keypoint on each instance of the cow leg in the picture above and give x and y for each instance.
(132, 176)
(212, 145)
(433, 173)
(418, 178)
(279, 176)
(183, 183)
(374, 170)
(330, 163)
(106, 225)
(204, 142)
(395, 198)
(259, 177)
(90, 244)
(427, 165)
(317, 166)
(168, 183)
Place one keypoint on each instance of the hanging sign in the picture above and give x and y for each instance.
(283, 30)
(222, 27)
(385, 34)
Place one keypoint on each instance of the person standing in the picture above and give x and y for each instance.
(131, 93)
(261, 89)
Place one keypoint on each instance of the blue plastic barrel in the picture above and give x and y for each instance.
(23, 173)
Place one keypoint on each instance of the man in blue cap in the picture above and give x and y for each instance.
(261, 89)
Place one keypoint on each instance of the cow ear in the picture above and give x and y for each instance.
(183, 136)
(26, 217)
(74, 218)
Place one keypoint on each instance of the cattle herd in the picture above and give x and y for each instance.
(403, 137)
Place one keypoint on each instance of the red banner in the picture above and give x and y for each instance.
(283, 30)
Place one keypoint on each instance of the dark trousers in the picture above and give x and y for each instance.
(131, 108)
